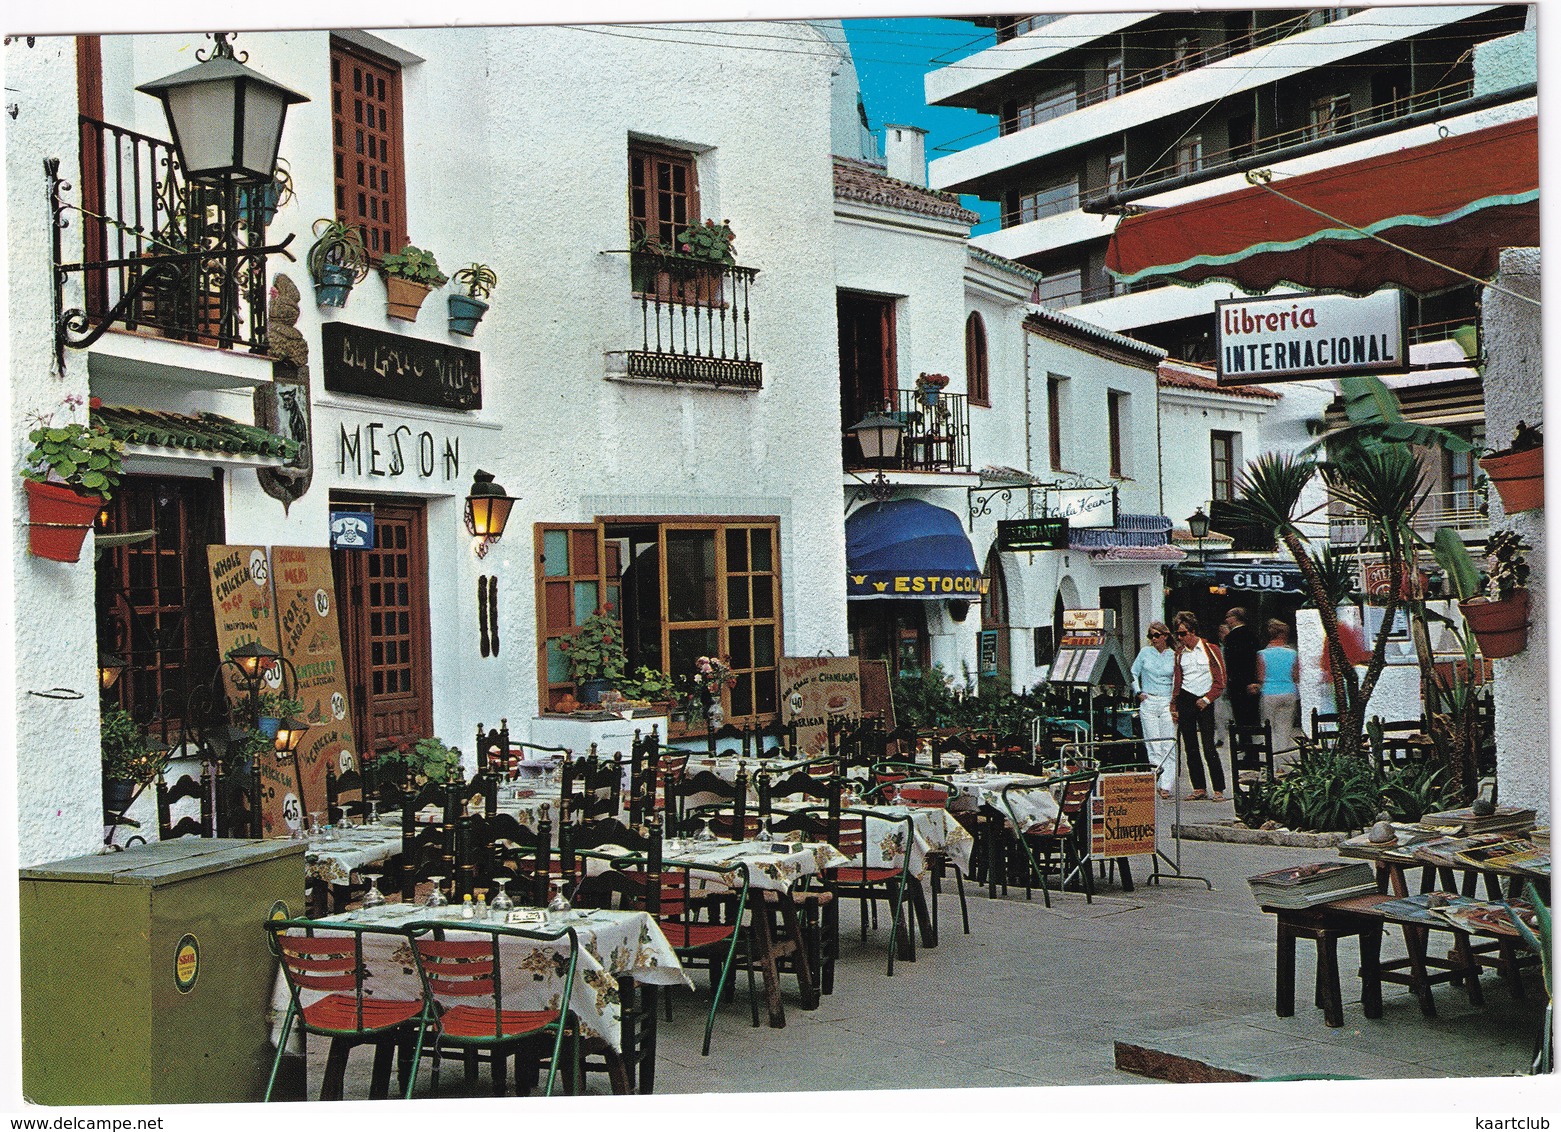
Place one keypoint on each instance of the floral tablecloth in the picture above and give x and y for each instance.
(1031, 807)
(353, 850)
(933, 829)
(612, 944)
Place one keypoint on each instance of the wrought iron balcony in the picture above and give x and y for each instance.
(936, 436)
(1466, 511)
(694, 322)
(159, 254)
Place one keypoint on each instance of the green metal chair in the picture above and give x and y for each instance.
(454, 972)
(325, 976)
(1073, 793)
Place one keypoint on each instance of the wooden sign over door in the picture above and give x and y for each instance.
(825, 687)
(245, 612)
(306, 618)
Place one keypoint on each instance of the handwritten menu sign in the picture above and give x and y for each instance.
(306, 618)
(245, 613)
(815, 689)
(1125, 815)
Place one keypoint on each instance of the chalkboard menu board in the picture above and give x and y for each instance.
(393, 367)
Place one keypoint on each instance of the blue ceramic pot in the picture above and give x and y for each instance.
(465, 313)
(592, 691)
(333, 286)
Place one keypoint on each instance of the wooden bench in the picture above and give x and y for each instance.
(1325, 925)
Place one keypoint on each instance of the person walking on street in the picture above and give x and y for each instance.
(1197, 683)
(1154, 672)
(1240, 644)
(1278, 668)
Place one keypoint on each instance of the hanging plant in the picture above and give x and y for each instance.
(1519, 470)
(70, 473)
(466, 310)
(409, 275)
(337, 261)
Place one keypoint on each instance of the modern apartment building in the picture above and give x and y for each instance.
(1100, 113)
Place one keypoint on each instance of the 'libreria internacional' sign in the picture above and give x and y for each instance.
(1302, 336)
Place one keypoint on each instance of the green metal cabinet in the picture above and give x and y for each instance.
(146, 974)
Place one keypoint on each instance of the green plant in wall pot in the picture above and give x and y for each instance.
(275, 707)
(466, 310)
(337, 261)
(1498, 615)
(70, 473)
(409, 275)
(131, 762)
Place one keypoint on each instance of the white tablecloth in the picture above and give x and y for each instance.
(1031, 807)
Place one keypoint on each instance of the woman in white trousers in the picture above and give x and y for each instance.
(1153, 672)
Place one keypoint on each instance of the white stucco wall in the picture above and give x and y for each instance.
(535, 110)
(1514, 390)
(48, 605)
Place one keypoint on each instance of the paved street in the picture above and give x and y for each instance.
(1036, 997)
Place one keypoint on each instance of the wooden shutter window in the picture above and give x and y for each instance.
(663, 193)
(368, 149)
(976, 379)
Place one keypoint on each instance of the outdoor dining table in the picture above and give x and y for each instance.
(773, 870)
(612, 945)
(975, 789)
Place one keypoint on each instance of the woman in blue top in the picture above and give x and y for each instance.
(1153, 670)
(1278, 667)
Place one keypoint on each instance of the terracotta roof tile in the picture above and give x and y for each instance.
(1183, 375)
(205, 432)
(859, 181)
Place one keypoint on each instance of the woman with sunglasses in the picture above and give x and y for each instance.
(1154, 671)
(1198, 681)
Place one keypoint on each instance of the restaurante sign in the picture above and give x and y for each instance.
(1303, 336)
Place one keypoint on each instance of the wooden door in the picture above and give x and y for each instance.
(382, 594)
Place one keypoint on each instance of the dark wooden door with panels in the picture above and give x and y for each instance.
(382, 595)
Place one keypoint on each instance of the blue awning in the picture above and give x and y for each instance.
(909, 549)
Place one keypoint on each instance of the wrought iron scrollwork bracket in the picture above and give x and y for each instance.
(74, 328)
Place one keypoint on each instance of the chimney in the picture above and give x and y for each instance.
(905, 153)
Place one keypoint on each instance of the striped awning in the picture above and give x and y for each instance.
(1457, 201)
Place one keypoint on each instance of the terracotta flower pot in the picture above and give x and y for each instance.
(1501, 627)
(59, 518)
(1519, 478)
(403, 297)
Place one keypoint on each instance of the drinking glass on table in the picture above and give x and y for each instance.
(559, 904)
(705, 832)
(501, 903)
(436, 897)
(373, 898)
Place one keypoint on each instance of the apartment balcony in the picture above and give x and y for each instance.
(936, 436)
(693, 327)
(1464, 511)
(160, 256)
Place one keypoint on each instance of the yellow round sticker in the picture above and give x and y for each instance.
(186, 963)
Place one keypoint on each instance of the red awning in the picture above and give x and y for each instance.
(1458, 200)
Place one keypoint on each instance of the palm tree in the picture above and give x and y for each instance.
(1268, 494)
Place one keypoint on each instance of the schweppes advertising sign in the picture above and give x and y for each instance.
(911, 584)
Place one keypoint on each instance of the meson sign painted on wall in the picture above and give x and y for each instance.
(1300, 336)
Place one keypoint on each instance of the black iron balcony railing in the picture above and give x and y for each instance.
(936, 436)
(694, 322)
(159, 254)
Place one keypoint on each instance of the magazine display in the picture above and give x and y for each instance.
(1303, 886)
(1519, 855)
(1465, 821)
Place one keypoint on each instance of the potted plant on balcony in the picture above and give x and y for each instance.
(337, 261)
(595, 654)
(466, 310)
(690, 270)
(410, 275)
(70, 474)
(1519, 470)
(929, 385)
(258, 205)
(1498, 617)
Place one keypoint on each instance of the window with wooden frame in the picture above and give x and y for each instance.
(154, 596)
(977, 384)
(663, 193)
(1222, 459)
(1054, 399)
(368, 146)
(684, 588)
(576, 575)
(1119, 432)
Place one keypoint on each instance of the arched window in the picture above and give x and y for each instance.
(975, 361)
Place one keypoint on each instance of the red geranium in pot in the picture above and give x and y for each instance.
(70, 473)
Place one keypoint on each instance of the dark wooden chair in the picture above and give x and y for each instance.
(428, 836)
(340, 805)
(196, 788)
(685, 813)
(592, 788)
